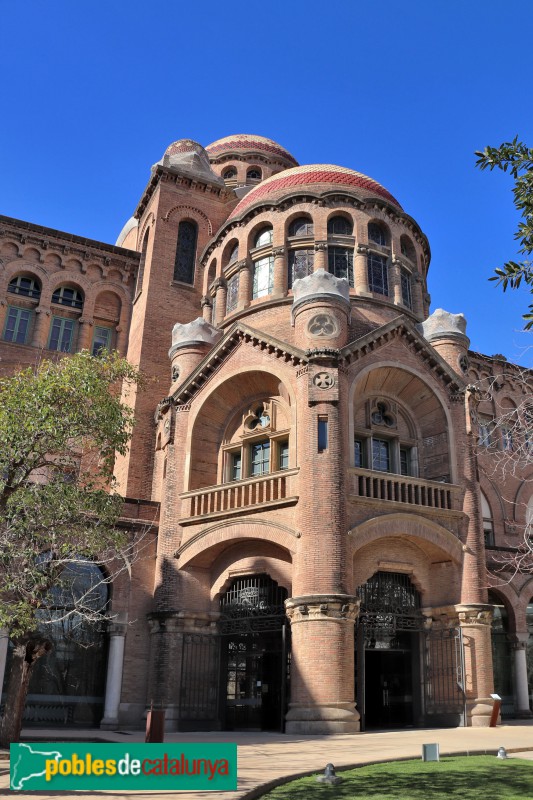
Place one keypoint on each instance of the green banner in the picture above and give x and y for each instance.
(141, 767)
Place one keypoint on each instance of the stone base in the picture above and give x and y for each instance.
(524, 714)
(480, 712)
(330, 719)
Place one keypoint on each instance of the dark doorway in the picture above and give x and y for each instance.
(254, 655)
(389, 688)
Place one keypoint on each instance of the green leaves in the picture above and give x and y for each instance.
(60, 427)
(517, 159)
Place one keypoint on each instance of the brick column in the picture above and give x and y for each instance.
(280, 272)
(417, 288)
(522, 708)
(396, 282)
(360, 269)
(221, 289)
(3, 314)
(475, 620)
(206, 307)
(122, 340)
(245, 284)
(321, 256)
(41, 327)
(85, 335)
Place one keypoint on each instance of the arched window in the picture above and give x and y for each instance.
(405, 281)
(488, 523)
(142, 262)
(340, 226)
(254, 174)
(376, 234)
(229, 174)
(340, 263)
(186, 251)
(75, 669)
(378, 277)
(233, 293)
(302, 226)
(67, 296)
(25, 286)
(234, 255)
(264, 237)
(407, 248)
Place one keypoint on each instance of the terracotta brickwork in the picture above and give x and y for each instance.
(309, 431)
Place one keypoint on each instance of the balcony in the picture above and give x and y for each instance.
(384, 486)
(239, 497)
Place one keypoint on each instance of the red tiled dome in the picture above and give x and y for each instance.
(313, 175)
(245, 143)
(183, 146)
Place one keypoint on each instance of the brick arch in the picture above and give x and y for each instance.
(250, 557)
(524, 492)
(192, 212)
(14, 268)
(419, 528)
(413, 554)
(509, 600)
(150, 219)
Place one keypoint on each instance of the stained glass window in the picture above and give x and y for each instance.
(186, 251)
(300, 264)
(376, 234)
(405, 278)
(378, 279)
(233, 293)
(340, 226)
(303, 226)
(340, 263)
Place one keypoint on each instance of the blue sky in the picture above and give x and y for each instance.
(405, 92)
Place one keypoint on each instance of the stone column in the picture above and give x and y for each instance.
(396, 280)
(321, 256)
(41, 327)
(475, 620)
(522, 708)
(4, 641)
(360, 268)
(322, 664)
(245, 284)
(115, 663)
(280, 272)
(221, 289)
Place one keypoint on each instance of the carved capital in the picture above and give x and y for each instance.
(362, 250)
(205, 301)
(321, 607)
(321, 246)
(278, 252)
(219, 283)
(474, 615)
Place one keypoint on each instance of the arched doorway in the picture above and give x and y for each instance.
(254, 654)
(388, 652)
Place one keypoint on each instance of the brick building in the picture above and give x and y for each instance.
(312, 454)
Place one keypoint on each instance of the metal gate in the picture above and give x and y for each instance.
(198, 703)
(444, 677)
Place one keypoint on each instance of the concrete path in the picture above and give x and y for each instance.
(265, 759)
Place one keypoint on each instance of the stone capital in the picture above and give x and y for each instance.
(362, 250)
(321, 607)
(321, 245)
(278, 252)
(473, 615)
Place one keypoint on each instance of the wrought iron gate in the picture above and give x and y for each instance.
(444, 677)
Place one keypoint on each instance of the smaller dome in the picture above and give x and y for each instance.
(190, 158)
(129, 226)
(241, 143)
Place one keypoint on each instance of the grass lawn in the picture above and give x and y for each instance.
(468, 778)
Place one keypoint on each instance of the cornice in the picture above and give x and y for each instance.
(162, 174)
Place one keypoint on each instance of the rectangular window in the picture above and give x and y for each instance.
(359, 453)
(263, 277)
(484, 438)
(488, 532)
(340, 263)
(260, 461)
(378, 278)
(405, 278)
(17, 325)
(101, 339)
(62, 335)
(507, 438)
(236, 466)
(405, 458)
(233, 293)
(322, 433)
(283, 455)
(380, 455)
(301, 264)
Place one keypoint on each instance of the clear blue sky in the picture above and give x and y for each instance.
(94, 91)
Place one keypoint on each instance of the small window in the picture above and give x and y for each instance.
(301, 264)
(260, 458)
(233, 293)
(142, 263)
(236, 466)
(26, 287)
(322, 434)
(407, 248)
(101, 339)
(234, 255)
(340, 263)
(488, 524)
(303, 226)
(407, 297)
(359, 453)
(186, 251)
(17, 325)
(62, 334)
(377, 234)
(485, 425)
(380, 455)
(65, 296)
(264, 237)
(254, 174)
(507, 439)
(340, 226)
(283, 455)
(378, 279)
(263, 277)
(229, 174)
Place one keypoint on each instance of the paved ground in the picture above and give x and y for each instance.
(266, 758)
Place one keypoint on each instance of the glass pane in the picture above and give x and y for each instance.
(376, 234)
(340, 226)
(300, 264)
(322, 434)
(406, 288)
(264, 237)
(17, 325)
(263, 277)
(185, 252)
(101, 340)
(284, 455)
(236, 462)
(233, 293)
(380, 455)
(340, 263)
(377, 274)
(260, 458)
(301, 227)
(358, 453)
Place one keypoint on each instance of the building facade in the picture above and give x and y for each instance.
(314, 456)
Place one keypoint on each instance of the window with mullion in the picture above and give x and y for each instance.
(263, 277)
(62, 334)
(301, 263)
(101, 339)
(283, 452)
(359, 453)
(381, 455)
(378, 278)
(17, 325)
(236, 466)
(340, 263)
(260, 458)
